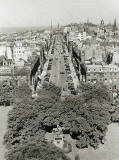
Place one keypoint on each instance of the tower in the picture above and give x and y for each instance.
(51, 30)
(87, 21)
(114, 28)
(58, 27)
(102, 24)
(51, 26)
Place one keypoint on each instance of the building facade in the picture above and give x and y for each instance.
(107, 74)
(19, 51)
(82, 36)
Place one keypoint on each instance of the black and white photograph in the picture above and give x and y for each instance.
(59, 79)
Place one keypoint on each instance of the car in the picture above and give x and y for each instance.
(73, 92)
(62, 72)
(67, 69)
(68, 72)
(69, 78)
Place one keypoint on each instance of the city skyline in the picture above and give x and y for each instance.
(24, 13)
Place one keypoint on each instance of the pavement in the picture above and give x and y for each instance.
(3, 128)
(107, 151)
(58, 75)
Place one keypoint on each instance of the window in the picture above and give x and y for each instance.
(94, 81)
(110, 81)
(58, 139)
(115, 87)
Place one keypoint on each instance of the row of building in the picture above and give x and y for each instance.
(95, 60)
(22, 57)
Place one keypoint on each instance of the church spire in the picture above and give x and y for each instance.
(115, 25)
(102, 23)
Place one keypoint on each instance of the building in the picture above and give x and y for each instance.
(19, 51)
(19, 63)
(58, 140)
(5, 70)
(5, 62)
(115, 59)
(10, 74)
(5, 50)
(82, 36)
(8, 52)
(107, 74)
(2, 50)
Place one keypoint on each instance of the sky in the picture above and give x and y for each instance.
(28, 13)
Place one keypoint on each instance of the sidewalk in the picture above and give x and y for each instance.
(3, 128)
(73, 73)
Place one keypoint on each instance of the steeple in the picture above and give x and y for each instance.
(51, 26)
(6, 53)
(58, 27)
(102, 24)
(51, 30)
(87, 20)
(115, 25)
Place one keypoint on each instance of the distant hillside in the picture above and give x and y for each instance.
(20, 29)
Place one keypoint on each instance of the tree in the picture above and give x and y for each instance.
(25, 136)
(84, 116)
(6, 93)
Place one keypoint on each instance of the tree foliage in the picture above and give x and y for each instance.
(84, 116)
(25, 136)
(6, 93)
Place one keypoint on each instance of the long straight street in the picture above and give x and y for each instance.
(60, 67)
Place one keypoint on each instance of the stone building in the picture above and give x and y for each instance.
(5, 62)
(108, 74)
(82, 36)
(20, 51)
